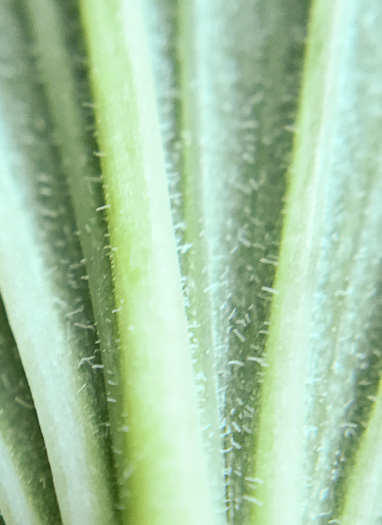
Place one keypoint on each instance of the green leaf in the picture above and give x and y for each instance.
(227, 93)
(59, 40)
(323, 348)
(208, 425)
(163, 453)
(363, 488)
(26, 486)
(238, 90)
(45, 290)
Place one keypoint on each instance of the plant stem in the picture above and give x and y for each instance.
(328, 283)
(59, 40)
(363, 494)
(26, 486)
(165, 471)
(239, 92)
(44, 288)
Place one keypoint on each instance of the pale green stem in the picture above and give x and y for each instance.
(328, 284)
(165, 467)
(61, 60)
(45, 290)
(239, 92)
(195, 254)
(363, 490)
(161, 18)
(26, 486)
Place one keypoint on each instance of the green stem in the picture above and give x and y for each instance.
(26, 486)
(363, 490)
(328, 284)
(45, 290)
(239, 92)
(165, 473)
(59, 40)
(196, 257)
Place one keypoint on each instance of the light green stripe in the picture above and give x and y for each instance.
(329, 277)
(166, 480)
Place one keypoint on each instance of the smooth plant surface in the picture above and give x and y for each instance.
(190, 262)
